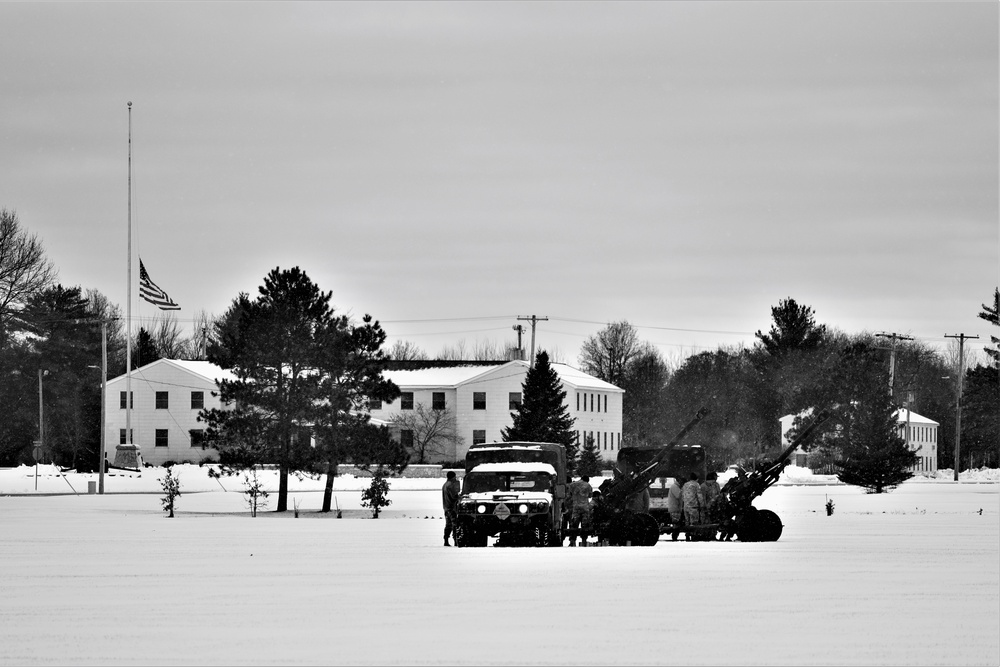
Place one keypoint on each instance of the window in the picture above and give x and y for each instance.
(605, 402)
(121, 436)
(406, 439)
(406, 401)
(591, 402)
(121, 400)
(437, 400)
(161, 437)
(478, 437)
(514, 400)
(479, 400)
(162, 402)
(197, 400)
(374, 404)
(197, 437)
(577, 401)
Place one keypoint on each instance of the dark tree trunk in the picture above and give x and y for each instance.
(331, 472)
(282, 490)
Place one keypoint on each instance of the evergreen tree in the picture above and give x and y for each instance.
(874, 454)
(274, 346)
(590, 462)
(146, 351)
(543, 415)
(992, 315)
(794, 328)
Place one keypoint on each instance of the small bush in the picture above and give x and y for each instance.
(375, 496)
(171, 491)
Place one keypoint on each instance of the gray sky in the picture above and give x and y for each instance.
(683, 166)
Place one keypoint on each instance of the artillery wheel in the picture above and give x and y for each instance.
(646, 530)
(768, 526)
(748, 526)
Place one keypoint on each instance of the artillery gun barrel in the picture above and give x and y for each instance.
(820, 418)
(620, 489)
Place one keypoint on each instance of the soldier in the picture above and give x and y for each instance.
(449, 500)
(580, 516)
(675, 505)
(694, 504)
(710, 491)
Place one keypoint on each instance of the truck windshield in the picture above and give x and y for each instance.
(485, 482)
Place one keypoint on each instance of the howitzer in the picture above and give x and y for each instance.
(736, 512)
(613, 521)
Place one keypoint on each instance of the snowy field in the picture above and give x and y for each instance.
(911, 577)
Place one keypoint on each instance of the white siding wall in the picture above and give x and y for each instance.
(605, 423)
(178, 419)
(424, 396)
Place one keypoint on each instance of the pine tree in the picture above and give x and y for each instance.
(543, 415)
(874, 454)
(590, 462)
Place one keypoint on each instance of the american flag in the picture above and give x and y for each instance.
(153, 294)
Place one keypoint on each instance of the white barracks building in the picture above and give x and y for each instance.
(481, 397)
(168, 394)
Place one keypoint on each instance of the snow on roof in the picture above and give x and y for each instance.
(514, 466)
(914, 418)
(453, 376)
(450, 376)
(203, 369)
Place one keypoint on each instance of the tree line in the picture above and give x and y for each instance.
(800, 366)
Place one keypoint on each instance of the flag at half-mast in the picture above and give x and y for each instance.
(153, 294)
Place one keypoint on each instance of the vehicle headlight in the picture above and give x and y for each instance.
(523, 509)
(481, 509)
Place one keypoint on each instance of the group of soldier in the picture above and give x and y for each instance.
(693, 503)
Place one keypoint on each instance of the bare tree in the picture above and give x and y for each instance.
(607, 354)
(481, 350)
(195, 346)
(434, 432)
(24, 270)
(167, 336)
(404, 350)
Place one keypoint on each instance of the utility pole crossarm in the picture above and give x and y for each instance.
(534, 319)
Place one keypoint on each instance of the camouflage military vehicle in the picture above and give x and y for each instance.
(513, 491)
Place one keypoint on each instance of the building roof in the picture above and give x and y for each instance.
(204, 369)
(454, 376)
(914, 418)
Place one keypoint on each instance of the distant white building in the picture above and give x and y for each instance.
(167, 396)
(920, 433)
(483, 396)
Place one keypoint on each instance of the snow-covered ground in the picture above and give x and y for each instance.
(909, 577)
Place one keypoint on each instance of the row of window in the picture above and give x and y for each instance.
(604, 440)
(161, 437)
(924, 464)
(163, 400)
(438, 401)
(590, 398)
(920, 433)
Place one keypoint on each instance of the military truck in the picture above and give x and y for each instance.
(513, 491)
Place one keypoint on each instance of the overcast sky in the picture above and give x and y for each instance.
(448, 167)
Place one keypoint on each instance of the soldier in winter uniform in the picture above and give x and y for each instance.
(694, 504)
(580, 514)
(675, 505)
(449, 500)
(710, 491)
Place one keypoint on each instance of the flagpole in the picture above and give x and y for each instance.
(128, 296)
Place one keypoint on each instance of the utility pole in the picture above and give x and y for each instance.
(520, 331)
(958, 394)
(534, 320)
(892, 355)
